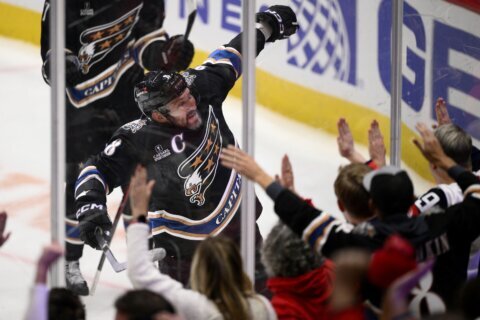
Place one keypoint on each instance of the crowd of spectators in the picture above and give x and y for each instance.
(393, 256)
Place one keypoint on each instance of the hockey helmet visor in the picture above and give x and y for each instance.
(158, 89)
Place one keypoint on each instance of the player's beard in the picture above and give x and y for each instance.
(194, 114)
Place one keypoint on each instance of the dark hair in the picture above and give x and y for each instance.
(64, 304)
(142, 304)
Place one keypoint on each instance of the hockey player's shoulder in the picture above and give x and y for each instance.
(190, 75)
(134, 126)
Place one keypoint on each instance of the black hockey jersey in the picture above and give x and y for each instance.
(107, 37)
(194, 196)
(446, 237)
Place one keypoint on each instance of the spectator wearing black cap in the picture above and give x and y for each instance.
(447, 236)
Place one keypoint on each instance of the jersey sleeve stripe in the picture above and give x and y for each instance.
(90, 174)
(227, 55)
(317, 230)
(473, 190)
(72, 233)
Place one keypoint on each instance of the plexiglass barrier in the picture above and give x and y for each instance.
(335, 71)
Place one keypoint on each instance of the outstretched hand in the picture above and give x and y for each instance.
(286, 178)
(234, 158)
(376, 145)
(50, 254)
(282, 21)
(431, 148)
(140, 191)
(441, 112)
(3, 223)
(345, 143)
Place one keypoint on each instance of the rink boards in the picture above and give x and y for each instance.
(338, 64)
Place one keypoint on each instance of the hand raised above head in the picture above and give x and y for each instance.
(346, 145)
(441, 112)
(286, 178)
(282, 21)
(431, 149)
(376, 144)
(140, 191)
(50, 254)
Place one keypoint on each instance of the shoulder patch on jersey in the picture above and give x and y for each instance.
(135, 125)
(189, 78)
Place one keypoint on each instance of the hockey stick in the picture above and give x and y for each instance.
(102, 258)
(192, 9)
(117, 266)
(155, 254)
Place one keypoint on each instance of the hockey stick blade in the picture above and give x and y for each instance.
(192, 9)
(156, 254)
(117, 266)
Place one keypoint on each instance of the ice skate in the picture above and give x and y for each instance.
(74, 279)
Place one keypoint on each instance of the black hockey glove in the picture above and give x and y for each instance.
(72, 69)
(175, 54)
(90, 217)
(281, 19)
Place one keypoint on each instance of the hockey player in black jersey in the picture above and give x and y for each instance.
(179, 141)
(109, 44)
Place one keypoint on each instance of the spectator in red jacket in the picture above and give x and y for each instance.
(300, 280)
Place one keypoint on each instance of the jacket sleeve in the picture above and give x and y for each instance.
(464, 218)
(38, 304)
(323, 232)
(433, 197)
(143, 274)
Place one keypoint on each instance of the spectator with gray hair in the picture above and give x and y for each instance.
(457, 144)
(300, 279)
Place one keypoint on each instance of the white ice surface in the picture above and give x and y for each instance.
(25, 175)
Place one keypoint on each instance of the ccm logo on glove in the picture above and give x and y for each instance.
(90, 206)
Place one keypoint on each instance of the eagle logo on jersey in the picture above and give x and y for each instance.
(135, 125)
(200, 167)
(98, 41)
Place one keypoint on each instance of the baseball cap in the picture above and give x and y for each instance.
(390, 188)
